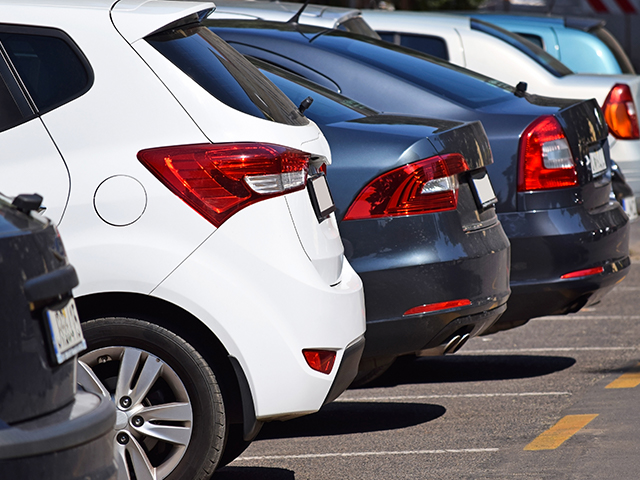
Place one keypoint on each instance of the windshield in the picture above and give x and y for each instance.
(553, 66)
(458, 84)
(224, 73)
(328, 107)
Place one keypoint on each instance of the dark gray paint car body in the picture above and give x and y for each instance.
(411, 260)
(552, 232)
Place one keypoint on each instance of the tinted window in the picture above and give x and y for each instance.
(225, 74)
(435, 46)
(49, 66)
(535, 39)
(443, 78)
(10, 114)
(327, 107)
(553, 66)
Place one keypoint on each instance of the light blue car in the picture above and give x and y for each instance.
(582, 44)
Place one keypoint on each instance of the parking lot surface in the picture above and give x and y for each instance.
(555, 398)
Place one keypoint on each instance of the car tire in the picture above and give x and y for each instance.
(234, 446)
(171, 421)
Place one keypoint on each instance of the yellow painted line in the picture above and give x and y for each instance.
(630, 379)
(560, 432)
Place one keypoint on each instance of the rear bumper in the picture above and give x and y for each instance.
(421, 261)
(347, 371)
(72, 443)
(545, 245)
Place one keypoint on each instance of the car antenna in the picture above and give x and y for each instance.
(294, 20)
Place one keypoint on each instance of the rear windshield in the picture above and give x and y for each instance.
(552, 65)
(225, 74)
(328, 107)
(458, 84)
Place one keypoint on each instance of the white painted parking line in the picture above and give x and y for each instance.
(461, 395)
(585, 317)
(547, 349)
(368, 454)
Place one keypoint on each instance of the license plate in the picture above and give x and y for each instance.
(321, 198)
(598, 162)
(484, 190)
(630, 207)
(67, 339)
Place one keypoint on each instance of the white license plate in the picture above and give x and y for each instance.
(322, 196)
(598, 162)
(66, 333)
(484, 190)
(630, 207)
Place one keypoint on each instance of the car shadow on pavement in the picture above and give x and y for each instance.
(343, 417)
(469, 368)
(253, 473)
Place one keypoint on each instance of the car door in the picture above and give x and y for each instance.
(41, 69)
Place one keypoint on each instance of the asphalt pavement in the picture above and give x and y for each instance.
(554, 399)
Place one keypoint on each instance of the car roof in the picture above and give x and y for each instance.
(136, 17)
(461, 22)
(318, 15)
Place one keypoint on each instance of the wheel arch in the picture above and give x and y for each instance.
(232, 379)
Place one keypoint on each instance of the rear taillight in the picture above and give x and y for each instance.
(425, 186)
(620, 113)
(218, 180)
(434, 307)
(587, 272)
(546, 161)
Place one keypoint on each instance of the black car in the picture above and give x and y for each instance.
(48, 428)
(417, 218)
(551, 170)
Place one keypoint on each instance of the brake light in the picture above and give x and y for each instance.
(218, 180)
(320, 360)
(546, 161)
(620, 113)
(583, 273)
(426, 186)
(437, 306)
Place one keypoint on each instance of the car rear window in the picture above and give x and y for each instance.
(327, 107)
(225, 74)
(51, 67)
(458, 84)
(552, 65)
(432, 45)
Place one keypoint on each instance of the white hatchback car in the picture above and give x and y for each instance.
(499, 54)
(189, 190)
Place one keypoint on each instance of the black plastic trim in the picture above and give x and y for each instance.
(52, 284)
(347, 371)
(251, 425)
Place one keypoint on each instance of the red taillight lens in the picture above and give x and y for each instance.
(583, 273)
(620, 113)
(432, 307)
(546, 161)
(218, 180)
(425, 186)
(320, 360)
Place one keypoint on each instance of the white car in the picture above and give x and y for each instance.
(213, 287)
(275, 11)
(496, 53)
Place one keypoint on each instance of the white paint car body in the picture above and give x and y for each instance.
(267, 283)
(495, 58)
